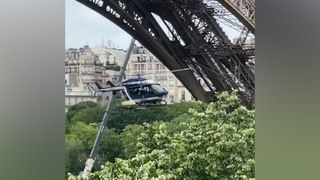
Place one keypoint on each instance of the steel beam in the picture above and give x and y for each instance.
(133, 27)
(191, 24)
(244, 10)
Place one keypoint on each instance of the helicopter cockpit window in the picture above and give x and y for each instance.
(138, 92)
(158, 88)
(145, 89)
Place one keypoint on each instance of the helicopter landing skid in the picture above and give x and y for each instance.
(144, 105)
(157, 103)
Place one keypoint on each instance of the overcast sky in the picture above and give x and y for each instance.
(84, 26)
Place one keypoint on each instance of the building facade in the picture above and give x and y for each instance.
(82, 66)
(143, 63)
(112, 60)
(87, 65)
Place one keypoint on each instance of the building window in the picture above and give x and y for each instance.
(171, 98)
(183, 95)
(144, 58)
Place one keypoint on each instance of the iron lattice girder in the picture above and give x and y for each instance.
(134, 16)
(181, 23)
(244, 10)
(220, 53)
(130, 16)
(222, 14)
(198, 27)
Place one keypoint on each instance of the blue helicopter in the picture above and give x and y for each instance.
(137, 91)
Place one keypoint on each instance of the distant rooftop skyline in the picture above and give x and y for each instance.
(83, 26)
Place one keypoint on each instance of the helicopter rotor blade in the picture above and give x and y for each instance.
(172, 71)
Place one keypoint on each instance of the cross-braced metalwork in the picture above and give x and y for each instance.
(194, 39)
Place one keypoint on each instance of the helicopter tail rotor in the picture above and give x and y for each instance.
(109, 83)
(98, 85)
(93, 92)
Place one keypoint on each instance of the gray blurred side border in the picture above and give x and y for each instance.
(32, 90)
(287, 89)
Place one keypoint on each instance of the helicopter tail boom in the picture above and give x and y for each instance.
(98, 88)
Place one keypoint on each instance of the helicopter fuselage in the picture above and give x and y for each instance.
(146, 93)
(141, 91)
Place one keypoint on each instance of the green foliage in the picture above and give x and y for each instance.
(83, 134)
(122, 117)
(74, 109)
(88, 115)
(80, 141)
(87, 112)
(214, 143)
(129, 139)
(74, 156)
(81, 130)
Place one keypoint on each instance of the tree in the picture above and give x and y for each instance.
(89, 115)
(121, 117)
(82, 128)
(129, 139)
(215, 143)
(74, 157)
(87, 112)
(79, 144)
(90, 112)
(75, 108)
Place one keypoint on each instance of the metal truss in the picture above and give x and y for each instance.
(202, 34)
(135, 19)
(194, 40)
(244, 10)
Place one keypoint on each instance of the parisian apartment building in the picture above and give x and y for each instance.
(145, 64)
(81, 66)
(101, 64)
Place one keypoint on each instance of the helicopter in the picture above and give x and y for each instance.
(137, 91)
